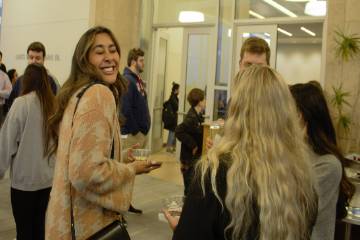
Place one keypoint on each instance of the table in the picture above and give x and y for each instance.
(349, 221)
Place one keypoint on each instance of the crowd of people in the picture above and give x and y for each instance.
(276, 173)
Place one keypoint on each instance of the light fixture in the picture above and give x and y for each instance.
(229, 33)
(284, 32)
(254, 14)
(191, 17)
(315, 8)
(246, 35)
(280, 8)
(308, 31)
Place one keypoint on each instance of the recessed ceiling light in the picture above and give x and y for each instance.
(284, 32)
(191, 17)
(315, 8)
(246, 35)
(308, 31)
(280, 8)
(254, 14)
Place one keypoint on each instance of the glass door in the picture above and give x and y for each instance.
(198, 69)
(158, 83)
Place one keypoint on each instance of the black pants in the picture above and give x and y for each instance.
(187, 171)
(29, 208)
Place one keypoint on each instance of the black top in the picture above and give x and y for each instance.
(190, 134)
(203, 217)
(169, 114)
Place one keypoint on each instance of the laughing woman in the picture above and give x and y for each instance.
(92, 182)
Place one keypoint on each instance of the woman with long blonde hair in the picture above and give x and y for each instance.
(257, 183)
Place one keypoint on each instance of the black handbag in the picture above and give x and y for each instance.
(115, 230)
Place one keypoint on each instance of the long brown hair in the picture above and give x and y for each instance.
(82, 73)
(36, 80)
(321, 135)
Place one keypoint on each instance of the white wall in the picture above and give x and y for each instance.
(58, 24)
(299, 63)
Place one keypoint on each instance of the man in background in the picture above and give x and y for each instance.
(135, 107)
(35, 54)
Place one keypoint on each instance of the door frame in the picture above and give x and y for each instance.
(189, 29)
(211, 78)
(157, 35)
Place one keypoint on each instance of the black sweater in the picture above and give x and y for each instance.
(203, 217)
(190, 134)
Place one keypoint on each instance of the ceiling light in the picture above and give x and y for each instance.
(229, 32)
(280, 8)
(315, 8)
(191, 17)
(267, 34)
(254, 14)
(246, 35)
(308, 31)
(284, 32)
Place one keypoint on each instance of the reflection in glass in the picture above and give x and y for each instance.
(266, 36)
(197, 66)
(260, 9)
(220, 104)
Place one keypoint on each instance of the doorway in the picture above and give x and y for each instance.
(185, 56)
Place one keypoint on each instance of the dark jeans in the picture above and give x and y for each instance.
(187, 171)
(29, 208)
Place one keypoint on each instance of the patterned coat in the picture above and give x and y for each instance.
(100, 186)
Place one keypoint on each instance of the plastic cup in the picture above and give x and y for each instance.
(141, 154)
(174, 205)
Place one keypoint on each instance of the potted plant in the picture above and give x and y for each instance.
(347, 48)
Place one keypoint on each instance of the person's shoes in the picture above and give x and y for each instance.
(134, 210)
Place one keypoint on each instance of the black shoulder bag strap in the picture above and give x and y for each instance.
(79, 95)
(115, 230)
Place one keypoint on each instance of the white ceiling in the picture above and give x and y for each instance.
(268, 11)
(317, 28)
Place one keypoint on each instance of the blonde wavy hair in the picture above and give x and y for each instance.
(270, 167)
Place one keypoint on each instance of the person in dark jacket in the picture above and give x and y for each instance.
(35, 54)
(135, 107)
(170, 110)
(190, 134)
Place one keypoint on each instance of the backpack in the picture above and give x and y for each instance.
(169, 116)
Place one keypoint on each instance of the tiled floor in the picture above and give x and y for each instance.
(149, 192)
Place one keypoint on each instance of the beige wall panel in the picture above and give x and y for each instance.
(123, 18)
(344, 15)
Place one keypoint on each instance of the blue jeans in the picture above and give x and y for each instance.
(171, 139)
